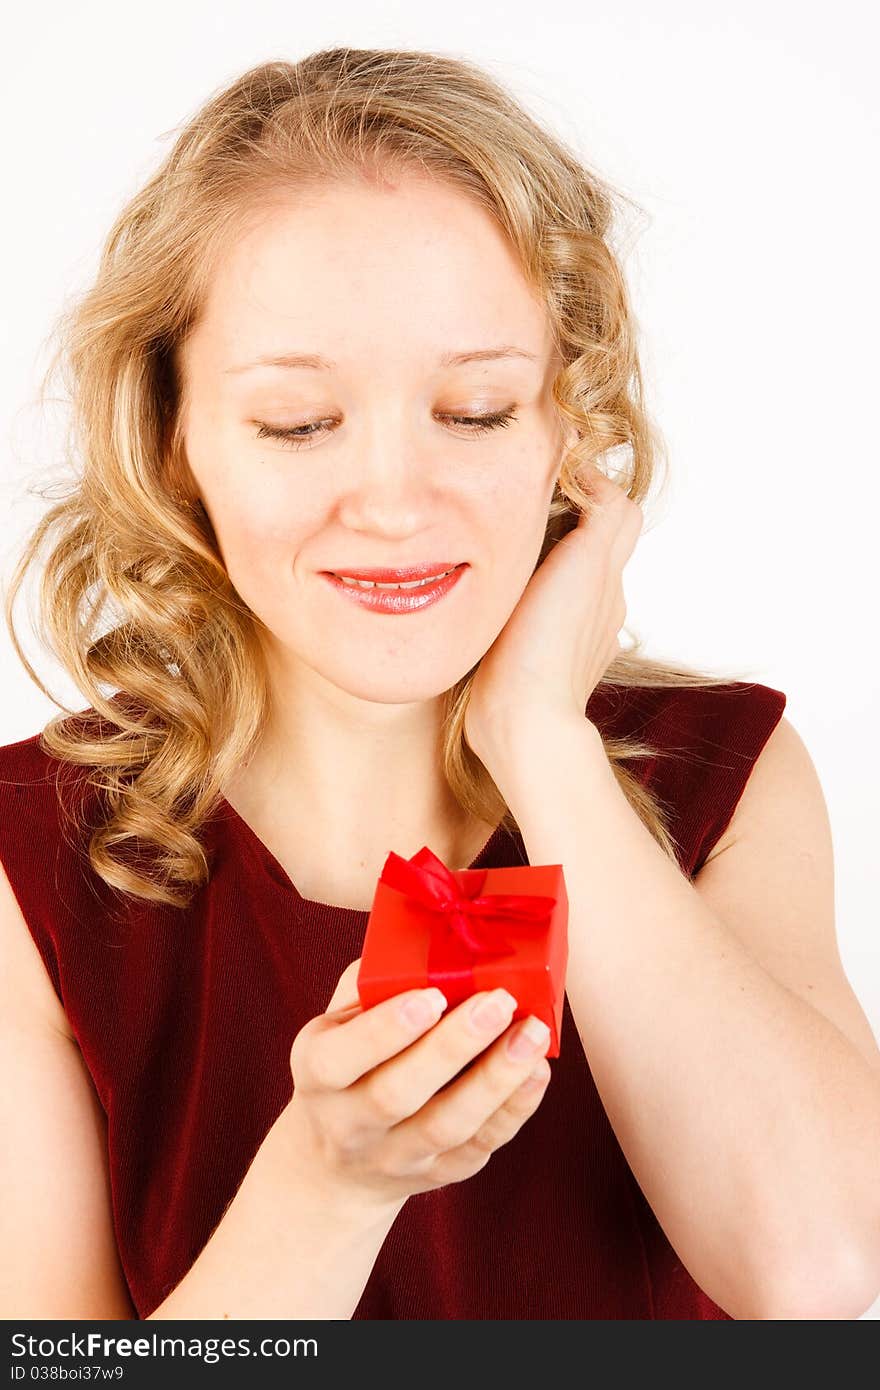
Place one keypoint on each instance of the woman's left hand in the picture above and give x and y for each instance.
(562, 636)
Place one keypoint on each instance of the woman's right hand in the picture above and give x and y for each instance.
(375, 1109)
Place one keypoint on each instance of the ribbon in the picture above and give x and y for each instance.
(466, 925)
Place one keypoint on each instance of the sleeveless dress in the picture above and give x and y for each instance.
(185, 1021)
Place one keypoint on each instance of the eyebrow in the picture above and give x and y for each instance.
(315, 360)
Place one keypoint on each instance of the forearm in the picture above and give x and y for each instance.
(749, 1120)
(283, 1248)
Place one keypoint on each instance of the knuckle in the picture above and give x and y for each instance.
(516, 1109)
(484, 1142)
(500, 1069)
(319, 1070)
(452, 1046)
(416, 1165)
(299, 1050)
(385, 1099)
(437, 1134)
(478, 1157)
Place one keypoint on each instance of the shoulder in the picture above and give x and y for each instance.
(28, 789)
(706, 739)
(782, 785)
(694, 748)
(24, 756)
(31, 837)
(34, 779)
(724, 733)
(27, 992)
(41, 799)
(723, 722)
(725, 716)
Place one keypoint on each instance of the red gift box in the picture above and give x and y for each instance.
(468, 930)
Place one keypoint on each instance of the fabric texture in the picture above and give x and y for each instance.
(185, 1021)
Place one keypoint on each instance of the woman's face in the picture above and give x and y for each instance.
(383, 283)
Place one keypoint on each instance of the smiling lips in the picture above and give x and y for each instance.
(411, 574)
(397, 590)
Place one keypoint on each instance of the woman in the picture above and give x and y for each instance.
(366, 317)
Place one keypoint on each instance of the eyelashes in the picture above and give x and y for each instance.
(297, 436)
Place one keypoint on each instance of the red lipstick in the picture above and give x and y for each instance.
(397, 576)
(398, 600)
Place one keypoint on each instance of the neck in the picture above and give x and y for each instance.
(335, 783)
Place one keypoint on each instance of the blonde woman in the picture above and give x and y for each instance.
(367, 317)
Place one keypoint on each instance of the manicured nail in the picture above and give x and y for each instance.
(488, 1014)
(528, 1039)
(422, 1009)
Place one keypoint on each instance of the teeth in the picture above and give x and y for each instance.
(414, 584)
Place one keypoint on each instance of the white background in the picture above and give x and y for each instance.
(750, 138)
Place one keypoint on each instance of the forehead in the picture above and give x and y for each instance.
(409, 269)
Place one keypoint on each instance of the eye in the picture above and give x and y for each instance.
(293, 435)
(479, 424)
(296, 436)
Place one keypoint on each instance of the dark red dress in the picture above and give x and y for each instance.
(185, 1021)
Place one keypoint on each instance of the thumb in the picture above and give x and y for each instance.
(345, 995)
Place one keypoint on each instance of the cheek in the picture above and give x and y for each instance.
(517, 500)
(256, 511)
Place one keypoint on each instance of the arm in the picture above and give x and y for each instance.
(750, 1118)
(56, 1218)
(283, 1248)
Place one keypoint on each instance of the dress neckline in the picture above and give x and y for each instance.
(264, 856)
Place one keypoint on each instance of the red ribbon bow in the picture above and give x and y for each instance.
(465, 926)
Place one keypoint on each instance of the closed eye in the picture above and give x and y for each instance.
(296, 436)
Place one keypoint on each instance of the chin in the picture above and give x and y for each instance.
(384, 686)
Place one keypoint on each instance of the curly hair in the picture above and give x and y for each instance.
(134, 594)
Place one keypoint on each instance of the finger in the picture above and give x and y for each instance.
(451, 1116)
(631, 525)
(343, 1015)
(510, 1116)
(394, 1092)
(619, 521)
(610, 499)
(345, 994)
(501, 1126)
(343, 1049)
(597, 484)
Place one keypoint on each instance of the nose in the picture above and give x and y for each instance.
(388, 489)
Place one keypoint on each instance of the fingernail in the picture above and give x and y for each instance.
(539, 1076)
(423, 1008)
(489, 1013)
(528, 1039)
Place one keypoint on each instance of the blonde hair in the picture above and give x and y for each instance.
(127, 534)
